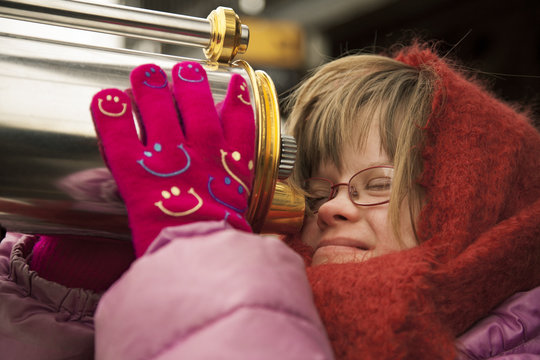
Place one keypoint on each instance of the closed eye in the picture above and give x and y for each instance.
(379, 184)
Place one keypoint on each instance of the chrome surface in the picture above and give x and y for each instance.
(112, 19)
(53, 179)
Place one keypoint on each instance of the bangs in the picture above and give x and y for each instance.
(335, 121)
(340, 102)
(341, 116)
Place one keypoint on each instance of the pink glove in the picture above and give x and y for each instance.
(199, 167)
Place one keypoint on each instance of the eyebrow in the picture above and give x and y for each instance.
(380, 163)
(371, 164)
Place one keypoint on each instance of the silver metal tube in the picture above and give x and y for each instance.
(52, 177)
(112, 19)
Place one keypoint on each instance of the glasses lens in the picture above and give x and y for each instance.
(318, 191)
(371, 186)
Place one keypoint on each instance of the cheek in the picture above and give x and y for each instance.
(382, 228)
(386, 240)
(310, 232)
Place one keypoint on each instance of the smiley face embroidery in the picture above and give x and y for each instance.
(112, 103)
(240, 97)
(190, 74)
(236, 156)
(227, 180)
(157, 149)
(175, 191)
(155, 80)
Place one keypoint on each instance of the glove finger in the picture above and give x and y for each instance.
(115, 128)
(237, 117)
(194, 100)
(158, 117)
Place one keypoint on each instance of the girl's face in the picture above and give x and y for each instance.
(342, 232)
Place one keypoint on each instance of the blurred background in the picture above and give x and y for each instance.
(498, 39)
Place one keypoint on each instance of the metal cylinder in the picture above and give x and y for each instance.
(53, 178)
(221, 35)
(112, 19)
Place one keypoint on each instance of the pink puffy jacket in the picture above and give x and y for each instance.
(208, 291)
(205, 291)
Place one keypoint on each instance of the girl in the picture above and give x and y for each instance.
(423, 194)
(455, 235)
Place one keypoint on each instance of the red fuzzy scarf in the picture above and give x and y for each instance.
(480, 232)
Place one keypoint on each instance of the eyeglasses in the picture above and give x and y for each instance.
(368, 187)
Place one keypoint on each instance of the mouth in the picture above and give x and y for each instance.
(345, 242)
(340, 251)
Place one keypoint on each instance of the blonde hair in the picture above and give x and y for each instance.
(337, 106)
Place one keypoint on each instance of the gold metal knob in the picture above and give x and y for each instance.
(228, 38)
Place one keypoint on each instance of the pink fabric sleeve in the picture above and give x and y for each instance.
(206, 290)
(511, 331)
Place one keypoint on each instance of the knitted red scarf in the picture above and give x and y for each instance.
(480, 233)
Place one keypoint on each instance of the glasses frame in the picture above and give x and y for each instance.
(333, 187)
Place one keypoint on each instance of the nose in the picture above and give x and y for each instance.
(338, 209)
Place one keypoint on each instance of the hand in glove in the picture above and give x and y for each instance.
(191, 162)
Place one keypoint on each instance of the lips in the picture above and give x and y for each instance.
(339, 251)
(348, 242)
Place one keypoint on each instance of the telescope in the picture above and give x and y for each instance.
(54, 180)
